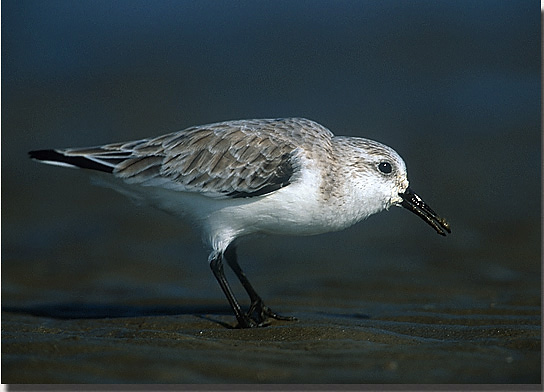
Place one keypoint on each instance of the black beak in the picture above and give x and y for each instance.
(414, 203)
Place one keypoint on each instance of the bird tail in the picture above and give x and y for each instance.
(74, 159)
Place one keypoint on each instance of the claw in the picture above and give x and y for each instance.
(259, 312)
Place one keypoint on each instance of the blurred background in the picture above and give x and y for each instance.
(453, 86)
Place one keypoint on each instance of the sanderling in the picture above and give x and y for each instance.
(272, 176)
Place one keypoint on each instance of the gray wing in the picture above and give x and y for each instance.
(243, 158)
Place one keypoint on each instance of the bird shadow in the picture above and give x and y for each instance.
(346, 315)
(72, 311)
(78, 311)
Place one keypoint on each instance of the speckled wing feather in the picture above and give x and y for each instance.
(242, 158)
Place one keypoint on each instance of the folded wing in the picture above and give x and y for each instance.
(231, 159)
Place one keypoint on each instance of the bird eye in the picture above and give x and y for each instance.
(385, 167)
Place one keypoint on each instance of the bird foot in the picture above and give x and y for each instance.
(258, 315)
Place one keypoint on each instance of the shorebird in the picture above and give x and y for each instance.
(270, 176)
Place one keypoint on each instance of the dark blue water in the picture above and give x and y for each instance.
(453, 86)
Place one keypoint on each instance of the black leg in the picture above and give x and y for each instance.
(216, 264)
(257, 307)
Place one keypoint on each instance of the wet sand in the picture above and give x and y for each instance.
(410, 345)
(388, 327)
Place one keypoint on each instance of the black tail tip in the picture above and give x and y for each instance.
(56, 158)
(44, 155)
